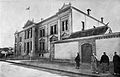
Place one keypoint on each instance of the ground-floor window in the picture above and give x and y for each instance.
(42, 45)
(31, 45)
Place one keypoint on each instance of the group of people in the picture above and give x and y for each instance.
(104, 62)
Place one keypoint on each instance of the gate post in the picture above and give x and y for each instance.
(51, 51)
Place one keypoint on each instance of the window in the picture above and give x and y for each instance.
(24, 47)
(53, 29)
(25, 34)
(31, 45)
(31, 32)
(42, 45)
(20, 39)
(64, 25)
(28, 34)
(42, 32)
(83, 25)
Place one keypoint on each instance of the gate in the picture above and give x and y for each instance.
(86, 52)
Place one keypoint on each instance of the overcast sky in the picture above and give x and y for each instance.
(13, 14)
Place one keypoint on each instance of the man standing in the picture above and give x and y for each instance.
(105, 62)
(116, 62)
(94, 64)
(77, 60)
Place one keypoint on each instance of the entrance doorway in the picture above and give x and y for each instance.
(86, 52)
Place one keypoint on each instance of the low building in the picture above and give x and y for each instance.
(85, 46)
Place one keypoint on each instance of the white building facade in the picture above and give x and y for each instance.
(61, 25)
(64, 34)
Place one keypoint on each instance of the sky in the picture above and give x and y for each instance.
(13, 14)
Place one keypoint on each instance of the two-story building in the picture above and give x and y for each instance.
(62, 35)
(61, 25)
(25, 39)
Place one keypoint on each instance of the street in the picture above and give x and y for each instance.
(12, 70)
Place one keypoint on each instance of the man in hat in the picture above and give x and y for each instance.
(105, 62)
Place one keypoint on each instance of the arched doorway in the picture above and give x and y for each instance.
(86, 51)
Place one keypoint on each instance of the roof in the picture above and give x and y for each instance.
(66, 7)
(90, 32)
(88, 15)
(108, 35)
(28, 23)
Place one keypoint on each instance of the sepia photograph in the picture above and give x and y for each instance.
(59, 38)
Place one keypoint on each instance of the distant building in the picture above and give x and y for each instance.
(52, 37)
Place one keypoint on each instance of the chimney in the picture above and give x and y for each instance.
(88, 11)
(41, 19)
(102, 19)
(69, 3)
(94, 27)
(33, 20)
(83, 25)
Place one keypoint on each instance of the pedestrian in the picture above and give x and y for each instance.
(104, 61)
(77, 60)
(94, 64)
(31, 54)
(116, 62)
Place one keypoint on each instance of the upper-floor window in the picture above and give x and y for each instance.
(65, 25)
(25, 34)
(83, 25)
(53, 29)
(20, 39)
(28, 33)
(42, 32)
(31, 32)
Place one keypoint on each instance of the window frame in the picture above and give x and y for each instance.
(64, 25)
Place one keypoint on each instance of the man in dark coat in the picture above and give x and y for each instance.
(116, 62)
(77, 60)
(105, 62)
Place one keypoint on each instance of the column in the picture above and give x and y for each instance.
(70, 26)
(59, 29)
(33, 41)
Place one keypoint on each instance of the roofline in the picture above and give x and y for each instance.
(27, 26)
(54, 15)
(19, 32)
(89, 37)
(90, 29)
(67, 9)
(46, 19)
(87, 15)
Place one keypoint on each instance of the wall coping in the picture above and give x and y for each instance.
(104, 36)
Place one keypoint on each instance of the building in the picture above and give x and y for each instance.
(25, 39)
(85, 46)
(62, 25)
(64, 34)
(19, 44)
